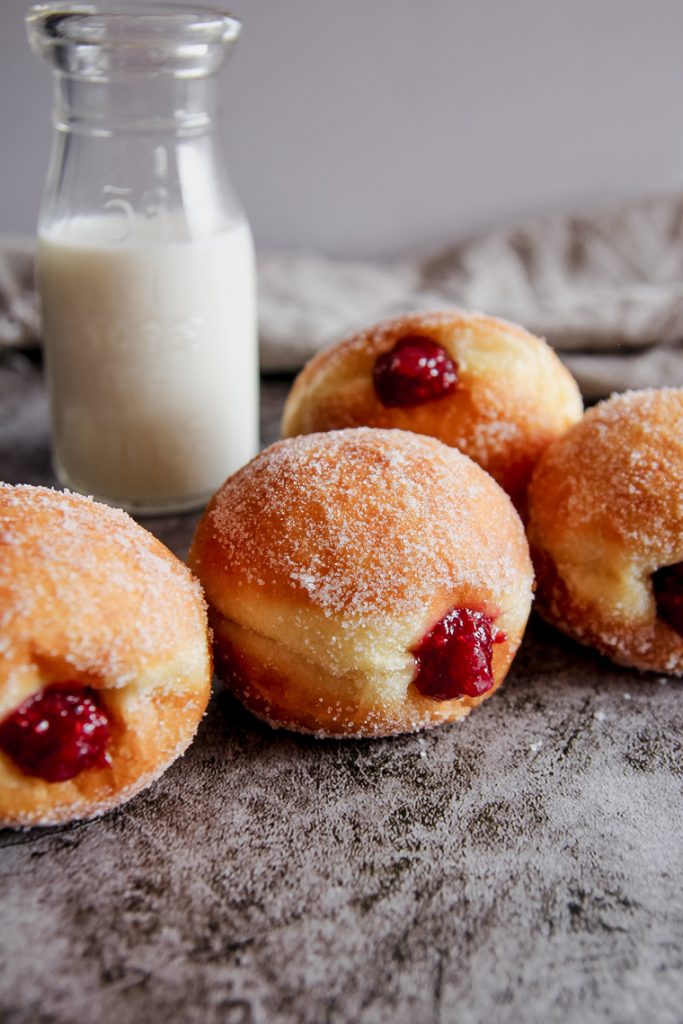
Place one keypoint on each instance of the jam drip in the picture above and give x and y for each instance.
(454, 658)
(668, 587)
(57, 733)
(414, 371)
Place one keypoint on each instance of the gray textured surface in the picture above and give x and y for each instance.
(524, 866)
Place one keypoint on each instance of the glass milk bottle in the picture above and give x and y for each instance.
(145, 258)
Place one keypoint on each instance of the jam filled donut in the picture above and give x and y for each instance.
(606, 530)
(104, 661)
(363, 583)
(482, 385)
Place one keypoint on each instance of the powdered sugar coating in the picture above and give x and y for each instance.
(77, 556)
(413, 503)
(606, 511)
(622, 470)
(513, 395)
(327, 558)
(88, 597)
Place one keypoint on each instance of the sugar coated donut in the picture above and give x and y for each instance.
(104, 660)
(363, 583)
(606, 530)
(482, 385)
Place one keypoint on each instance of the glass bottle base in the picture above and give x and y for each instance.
(140, 507)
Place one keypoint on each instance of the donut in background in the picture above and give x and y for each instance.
(363, 583)
(479, 384)
(606, 530)
(105, 667)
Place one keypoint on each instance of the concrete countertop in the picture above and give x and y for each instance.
(523, 866)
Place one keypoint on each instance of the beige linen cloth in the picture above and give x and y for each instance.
(606, 290)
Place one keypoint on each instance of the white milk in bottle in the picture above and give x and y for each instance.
(151, 358)
(145, 259)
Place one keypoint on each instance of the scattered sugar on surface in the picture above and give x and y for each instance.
(89, 578)
(364, 519)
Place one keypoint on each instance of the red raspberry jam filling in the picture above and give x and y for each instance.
(58, 733)
(668, 587)
(454, 658)
(414, 371)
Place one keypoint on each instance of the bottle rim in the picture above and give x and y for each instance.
(113, 37)
(109, 23)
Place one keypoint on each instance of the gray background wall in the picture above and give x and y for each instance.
(370, 127)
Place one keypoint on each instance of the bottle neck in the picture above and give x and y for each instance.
(154, 104)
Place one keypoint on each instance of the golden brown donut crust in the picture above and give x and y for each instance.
(513, 398)
(328, 557)
(88, 596)
(605, 512)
